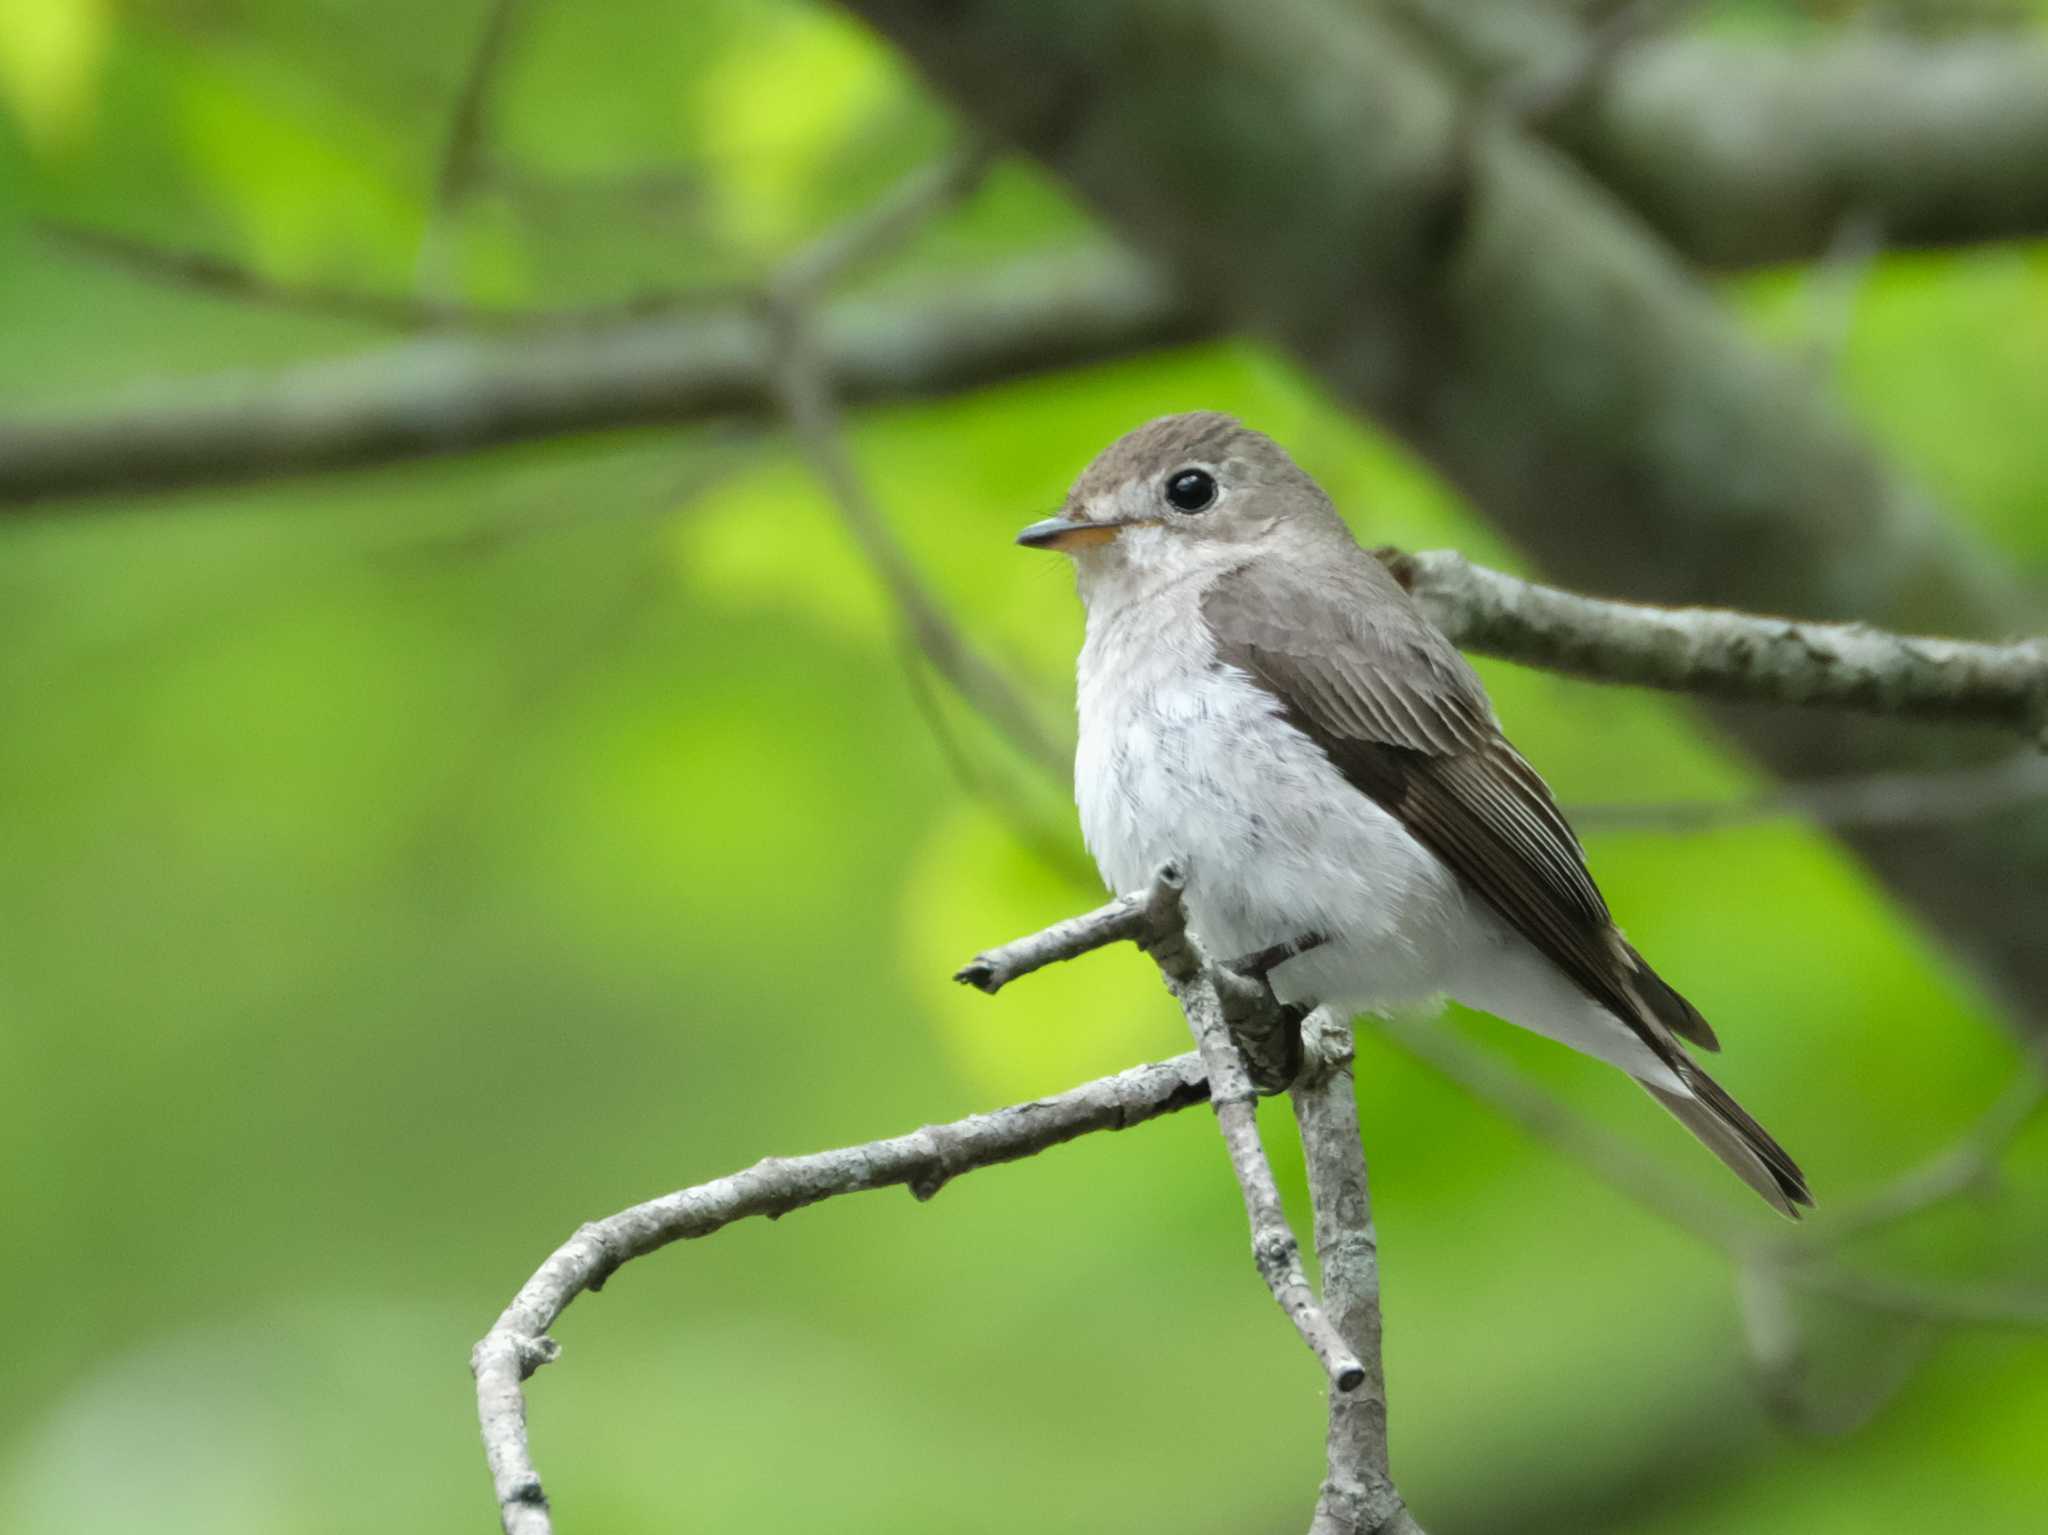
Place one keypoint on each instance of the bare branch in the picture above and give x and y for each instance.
(1197, 986)
(1358, 1492)
(1157, 922)
(1127, 919)
(455, 393)
(1723, 654)
(923, 1161)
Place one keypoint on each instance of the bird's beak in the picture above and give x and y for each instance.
(1066, 534)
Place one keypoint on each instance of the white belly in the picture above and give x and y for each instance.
(1186, 762)
(1191, 764)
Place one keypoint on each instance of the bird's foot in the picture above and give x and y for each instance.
(1266, 1029)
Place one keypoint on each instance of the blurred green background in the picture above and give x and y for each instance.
(399, 868)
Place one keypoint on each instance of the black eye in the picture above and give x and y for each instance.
(1192, 490)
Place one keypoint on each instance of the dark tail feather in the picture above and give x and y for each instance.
(1726, 1129)
(1667, 1006)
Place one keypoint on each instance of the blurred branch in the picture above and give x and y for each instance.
(222, 278)
(1835, 283)
(803, 385)
(923, 1161)
(456, 393)
(1745, 153)
(215, 275)
(1053, 846)
(839, 252)
(1871, 801)
(462, 151)
(1720, 654)
(1534, 97)
(1967, 1166)
(1643, 1181)
(887, 223)
(1770, 1270)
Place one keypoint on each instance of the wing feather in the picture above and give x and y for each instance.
(1360, 671)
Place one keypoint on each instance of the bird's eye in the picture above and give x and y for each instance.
(1191, 490)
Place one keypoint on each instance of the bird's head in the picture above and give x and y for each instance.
(1181, 493)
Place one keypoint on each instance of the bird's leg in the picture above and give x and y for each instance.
(1261, 963)
(1267, 1029)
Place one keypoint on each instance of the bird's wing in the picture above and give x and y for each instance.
(1360, 671)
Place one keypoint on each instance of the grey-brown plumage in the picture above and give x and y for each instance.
(1260, 695)
(1405, 721)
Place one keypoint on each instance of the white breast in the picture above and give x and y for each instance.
(1183, 758)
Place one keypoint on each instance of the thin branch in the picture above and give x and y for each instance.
(1358, 1493)
(803, 384)
(885, 224)
(1811, 1261)
(1969, 1164)
(1157, 922)
(1945, 1304)
(925, 619)
(1835, 284)
(814, 419)
(1779, 1354)
(997, 792)
(462, 153)
(1866, 800)
(1642, 1180)
(223, 278)
(1127, 919)
(807, 275)
(468, 124)
(1724, 654)
(924, 1161)
(1197, 986)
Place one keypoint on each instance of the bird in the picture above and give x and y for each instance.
(1262, 705)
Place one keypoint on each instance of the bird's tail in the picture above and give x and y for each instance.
(1726, 1129)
